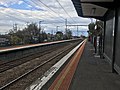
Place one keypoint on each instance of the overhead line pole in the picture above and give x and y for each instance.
(50, 14)
(40, 29)
(77, 27)
(66, 25)
(65, 11)
(57, 28)
(77, 30)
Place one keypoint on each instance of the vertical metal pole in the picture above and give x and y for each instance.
(57, 28)
(13, 26)
(77, 30)
(39, 29)
(66, 23)
(104, 36)
(115, 34)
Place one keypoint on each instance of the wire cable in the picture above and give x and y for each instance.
(51, 9)
(65, 11)
(50, 14)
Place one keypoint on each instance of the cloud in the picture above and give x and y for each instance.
(8, 2)
(52, 14)
(20, 2)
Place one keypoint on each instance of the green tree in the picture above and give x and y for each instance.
(15, 40)
(59, 35)
(96, 28)
(68, 34)
(91, 28)
(99, 27)
(31, 33)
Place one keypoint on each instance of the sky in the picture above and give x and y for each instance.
(51, 13)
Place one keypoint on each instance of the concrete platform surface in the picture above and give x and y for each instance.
(93, 73)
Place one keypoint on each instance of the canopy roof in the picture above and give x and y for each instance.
(94, 8)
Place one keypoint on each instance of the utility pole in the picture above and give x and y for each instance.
(52, 32)
(15, 27)
(40, 29)
(51, 36)
(57, 28)
(77, 30)
(65, 25)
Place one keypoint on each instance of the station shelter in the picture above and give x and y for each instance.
(107, 11)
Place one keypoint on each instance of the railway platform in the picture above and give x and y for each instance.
(93, 73)
(83, 71)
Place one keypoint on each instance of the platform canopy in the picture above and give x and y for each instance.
(94, 8)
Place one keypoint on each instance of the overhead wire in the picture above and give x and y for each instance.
(9, 15)
(38, 9)
(13, 9)
(13, 16)
(55, 11)
(65, 11)
(52, 10)
(17, 11)
(50, 14)
(27, 14)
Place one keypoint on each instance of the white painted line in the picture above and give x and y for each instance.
(37, 85)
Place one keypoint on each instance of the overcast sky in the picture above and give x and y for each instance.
(49, 12)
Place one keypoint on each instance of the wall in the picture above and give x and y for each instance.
(117, 44)
(109, 36)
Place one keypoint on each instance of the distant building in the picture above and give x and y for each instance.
(4, 41)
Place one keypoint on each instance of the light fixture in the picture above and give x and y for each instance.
(93, 10)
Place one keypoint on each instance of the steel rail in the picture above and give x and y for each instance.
(23, 61)
(30, 71)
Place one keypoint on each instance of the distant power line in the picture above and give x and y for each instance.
(65, 11)
(51, 9)
(49, 14)
(15, 11)
(13, 17)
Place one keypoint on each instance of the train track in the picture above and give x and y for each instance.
(30, 71)
(45, 62)
(13, 63)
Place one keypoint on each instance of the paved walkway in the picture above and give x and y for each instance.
(85, 72)
(63, 80)
(94, 73)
